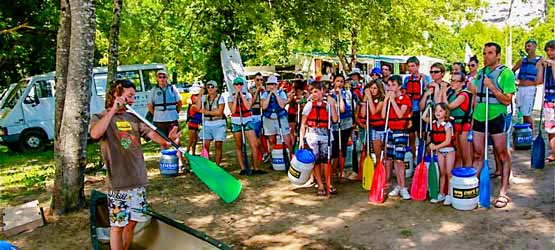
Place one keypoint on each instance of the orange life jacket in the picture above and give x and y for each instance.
(403, 123)
(318, 116)
(244, 111)
(439, 134)
(414, 87)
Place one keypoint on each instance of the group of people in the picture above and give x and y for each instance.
(451, 118)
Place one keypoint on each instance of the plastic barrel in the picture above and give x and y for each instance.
(301, 167)
(522, 136)
(169, 164)
(277, 158)
(464, 188)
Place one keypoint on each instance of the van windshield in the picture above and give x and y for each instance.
(13, 95)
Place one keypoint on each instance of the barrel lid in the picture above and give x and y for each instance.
(522, 125)
(305, 156)
(464, 172)
(169, 152)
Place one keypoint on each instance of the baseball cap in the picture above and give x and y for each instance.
(162, 72)
(238, 80)
(272, 80)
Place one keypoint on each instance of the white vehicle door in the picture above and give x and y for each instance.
(101, 87)
(39, 105)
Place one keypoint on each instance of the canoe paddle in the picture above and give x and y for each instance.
(218, 180)
(244, 143)
(376, 194)
(484, 188)
(368, 164)
(537, 160)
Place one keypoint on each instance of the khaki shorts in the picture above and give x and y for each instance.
(271, 126)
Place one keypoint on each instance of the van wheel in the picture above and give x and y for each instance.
(33, 141)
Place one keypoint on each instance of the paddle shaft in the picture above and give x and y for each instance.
(328, 169)
(203, 128)
(367, 132)
(158, 131)
(388, 109)
(486, 128)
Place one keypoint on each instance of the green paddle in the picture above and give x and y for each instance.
(218, 180)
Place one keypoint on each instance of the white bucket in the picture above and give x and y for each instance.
(301, 168)
(464, 188)
(277, 158)
(409, 164)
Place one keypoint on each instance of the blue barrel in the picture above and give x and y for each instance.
(169, 164)
(522, 136)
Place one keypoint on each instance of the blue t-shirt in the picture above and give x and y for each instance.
(427, 80)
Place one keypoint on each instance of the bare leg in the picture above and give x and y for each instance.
(378, 147)
(116, 240)
(466, 149)
(400, 172)
(128, 234)
(478, 142)
(442, 162)
(239, 149)
(255, 146)
(499, 141)
(552, 144)
(412, 143)
(219, 148)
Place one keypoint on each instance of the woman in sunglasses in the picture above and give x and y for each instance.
(432, 94)
(241, 120)
(212, 106)
(472, 68)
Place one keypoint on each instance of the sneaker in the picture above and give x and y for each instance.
(440, 197)
(242, 172)
(266, 157)
(405, 194)
(353, 176)
(258, 171)
(395, 191)
(447, 201)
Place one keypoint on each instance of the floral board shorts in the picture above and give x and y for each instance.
(121, 205)
(549, 117)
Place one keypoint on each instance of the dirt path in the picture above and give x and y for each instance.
(271, 214)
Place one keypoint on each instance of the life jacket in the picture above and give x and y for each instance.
(463, 112)
(361, 116)
(273, 107)
(163, 102)
(318, 116)
(244, 110)
(256, 107)
(294, 104)
(414, 87)
(210, 107)
(348, 108)
(193, 116)
(528, 70)
(403, 123)
(376, 120)
(481, 88)
(549, 85)
(439, 134)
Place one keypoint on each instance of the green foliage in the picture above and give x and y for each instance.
(27, 38)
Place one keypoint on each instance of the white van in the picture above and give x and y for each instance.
(27, 110)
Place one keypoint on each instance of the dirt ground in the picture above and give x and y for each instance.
(272, 214)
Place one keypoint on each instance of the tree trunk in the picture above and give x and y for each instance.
(114, 39)
(70, 156)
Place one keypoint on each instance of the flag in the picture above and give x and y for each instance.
(467, 53)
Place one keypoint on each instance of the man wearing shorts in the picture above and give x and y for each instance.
(119, 136)
(527, 81)
(273, 103)
(212, 106)
(165, 105)
(413, 86)
(501, 84)
(256, 92)
(547, 67)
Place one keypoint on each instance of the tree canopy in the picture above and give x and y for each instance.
(185, 34)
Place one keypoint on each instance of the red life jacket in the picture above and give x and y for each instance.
(439, 134)
(292, 110)
(376, 120)
(244, 111)
(193, 116)
(414, 87)
(403, 123)
(361, 116)
(318, 116)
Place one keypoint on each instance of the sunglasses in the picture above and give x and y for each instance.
(452, 80)
(259, 80)
(472, 65)
(162, 77)
(239, 83)
(210, 87)
(435, 71)
(270, 83)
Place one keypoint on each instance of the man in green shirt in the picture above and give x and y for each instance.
(500, 81)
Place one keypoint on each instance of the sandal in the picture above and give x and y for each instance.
(549, 159)
(501, 201)
(321, 192)
(333, 190)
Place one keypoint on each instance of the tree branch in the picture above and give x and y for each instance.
(24, 25)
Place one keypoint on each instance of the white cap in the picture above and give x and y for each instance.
(272, 79)
(194, 89)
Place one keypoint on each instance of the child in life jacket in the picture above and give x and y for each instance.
(443, 141)
(400, 107)
(373, 99)
(315, 128)
(194, 119)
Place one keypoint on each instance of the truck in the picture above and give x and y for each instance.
(27, 108)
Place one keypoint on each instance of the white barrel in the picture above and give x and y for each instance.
(409, 164)
(277, 158)
(301, 167)
(464, 188)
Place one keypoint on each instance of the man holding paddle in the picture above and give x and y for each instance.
(500, 82)
(119, 134)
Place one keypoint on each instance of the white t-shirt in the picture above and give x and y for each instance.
(320, 134)
(215, 105)
(237, 120)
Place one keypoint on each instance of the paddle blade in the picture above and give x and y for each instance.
(367, 172)
(433, 179)
(538, 153)
(484, 189)
(217, 179)
(420, 152)
(204, 153)
(419, 185)
(376, 194)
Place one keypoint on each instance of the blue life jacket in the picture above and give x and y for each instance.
(348, 108)
(163, 102)
(273, 107)
(528, 70)
(481, 89)
(549, 85)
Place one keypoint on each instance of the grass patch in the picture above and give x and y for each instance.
(406, 233)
